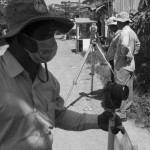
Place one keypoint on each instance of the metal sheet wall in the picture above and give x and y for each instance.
(125, 5)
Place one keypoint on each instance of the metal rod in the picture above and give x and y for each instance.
(92, 69)
(92, 66)
(100, 50)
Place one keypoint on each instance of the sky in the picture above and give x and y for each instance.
(59, 1)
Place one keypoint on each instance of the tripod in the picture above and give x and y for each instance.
(92, 48)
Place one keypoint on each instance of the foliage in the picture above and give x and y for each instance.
(140, 110)
(141, 22)
(141, 25)
(3, 24)
(143, 5)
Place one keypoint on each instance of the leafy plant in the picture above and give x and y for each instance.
(140, 110)
(141, 21)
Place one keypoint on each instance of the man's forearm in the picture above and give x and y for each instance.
(74, 121)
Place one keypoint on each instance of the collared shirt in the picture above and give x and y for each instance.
(127, 46)
(29, 110)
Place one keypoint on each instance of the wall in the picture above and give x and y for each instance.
(125, 5)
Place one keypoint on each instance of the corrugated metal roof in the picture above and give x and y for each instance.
(83, 20)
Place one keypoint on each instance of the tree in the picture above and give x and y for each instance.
(3, 24)
(3, 3)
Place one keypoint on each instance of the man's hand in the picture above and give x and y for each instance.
(103, 122)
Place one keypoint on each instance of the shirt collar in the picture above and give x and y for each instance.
(127, 26)
(13, 66)
(41, 74)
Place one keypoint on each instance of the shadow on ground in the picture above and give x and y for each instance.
(97, 95)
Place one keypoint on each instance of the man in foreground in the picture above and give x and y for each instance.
(30, 104)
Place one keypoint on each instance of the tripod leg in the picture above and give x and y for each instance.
(100, 50)
(92, 67)
(78, 73)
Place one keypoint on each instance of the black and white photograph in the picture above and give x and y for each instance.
(74, 74)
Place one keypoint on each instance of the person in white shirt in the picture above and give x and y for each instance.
(128, 45)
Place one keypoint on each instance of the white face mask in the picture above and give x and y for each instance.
(46, 50)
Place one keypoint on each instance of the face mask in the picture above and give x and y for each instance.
(46, 50)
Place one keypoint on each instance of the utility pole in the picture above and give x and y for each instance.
(79, 8)
(64, 3)
(108, 9)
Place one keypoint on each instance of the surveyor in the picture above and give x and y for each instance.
(124, 64)
(114, 33)
(30, 103)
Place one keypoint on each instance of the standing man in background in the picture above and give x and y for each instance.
(124, 64)
(112, 42)
(112, 29)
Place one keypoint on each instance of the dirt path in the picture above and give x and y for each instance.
(64, 66)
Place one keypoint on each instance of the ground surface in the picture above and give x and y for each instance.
(65, 67)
